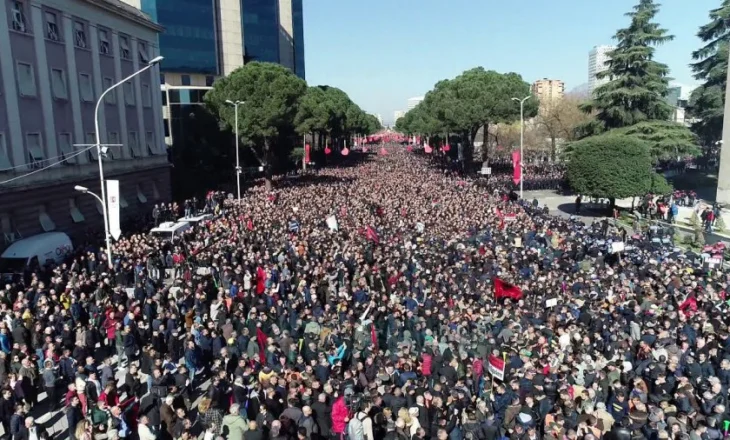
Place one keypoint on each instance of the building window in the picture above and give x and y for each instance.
(185, 80)
(75, 212)
(111, 97)
(35, 149)
(19, 21)
(5, 163)
(124, 46)
(67, 148)
(45, 220)
(162, 78)
(90, 141)
(26, 79)
(133, 148)
(140, 195)
(52, 32)
(58, 84)
(129, 93)
(143, 57)
(79, 34)
(86, 87)
(104, 46)
(209, 80)
(146, 96)
(149, 139)
(114, 142)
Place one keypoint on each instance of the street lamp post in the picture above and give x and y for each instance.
(238, 165)
(99, 155)
(522, 140)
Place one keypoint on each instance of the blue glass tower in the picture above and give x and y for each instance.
(260, 22)
(189, 40)
(298, 19)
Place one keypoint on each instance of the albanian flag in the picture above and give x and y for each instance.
(503, 289)
(261, 339)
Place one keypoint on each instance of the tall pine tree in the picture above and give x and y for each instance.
(637, 87)
(707, 102)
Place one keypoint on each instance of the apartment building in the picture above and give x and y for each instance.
(547, 90)
(58, 58)
(598, 58)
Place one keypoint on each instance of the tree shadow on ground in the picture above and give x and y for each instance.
(586, 210)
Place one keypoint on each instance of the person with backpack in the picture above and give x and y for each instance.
(360, 426)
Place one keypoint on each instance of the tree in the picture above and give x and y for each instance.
(638, 84)
(611, 166)
(707, 102)
(559, 119)
(665, 139)
(271, 93)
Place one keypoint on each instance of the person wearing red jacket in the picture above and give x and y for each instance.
(339, 417)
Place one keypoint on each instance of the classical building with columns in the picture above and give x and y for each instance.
(58, 57)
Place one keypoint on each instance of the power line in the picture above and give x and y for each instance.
(28, 164)
(48, 166)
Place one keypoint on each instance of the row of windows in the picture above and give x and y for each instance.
(59, 86)
(69, 153)
(54, 32)
(7, 225)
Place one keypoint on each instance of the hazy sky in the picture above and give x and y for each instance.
(382, 52)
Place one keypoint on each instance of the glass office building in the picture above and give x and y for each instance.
(188, 42)
(298, 22)
(260, 23)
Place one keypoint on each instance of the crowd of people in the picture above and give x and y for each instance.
(386, 299)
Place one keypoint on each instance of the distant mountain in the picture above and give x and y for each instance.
(581, 92)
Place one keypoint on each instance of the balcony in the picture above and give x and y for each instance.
(60, 173)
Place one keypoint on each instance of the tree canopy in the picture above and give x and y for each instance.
(707, 102)
(612, 166)
(463, 105)
(638, 86)
(275, 103)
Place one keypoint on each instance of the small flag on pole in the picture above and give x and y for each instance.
(496, 367)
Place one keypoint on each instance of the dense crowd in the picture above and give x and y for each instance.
(360, 303)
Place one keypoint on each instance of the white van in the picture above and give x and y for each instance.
(170, 231)
(34, 251)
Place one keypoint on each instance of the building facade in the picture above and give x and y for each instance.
(412, 102)
(397, 115)
(58, 58)
(597, 63)
(547, 90)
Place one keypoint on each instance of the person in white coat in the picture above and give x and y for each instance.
(145, 433)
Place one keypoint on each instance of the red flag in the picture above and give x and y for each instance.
(374, 337)
(383, 151)
(496, 367)
(409, 148)
(428, 149)
(446, 147)
(249, 224)
(517, 165)
(307, 153)
(345, 152)
(364, 149)
(372, 235)
(327, 150)
(260, 280)
(503, 289)
(261, 339)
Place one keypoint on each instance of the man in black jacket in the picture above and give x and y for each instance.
(73, 417)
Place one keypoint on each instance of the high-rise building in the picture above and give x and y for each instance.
(597, 63)
(379, 118)
(397, 115)
(205, 39)
(414, 102)
(548, 89)
(58, 59)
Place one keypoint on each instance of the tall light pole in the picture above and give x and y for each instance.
(238, 165)
(522, 140)
(99, 155)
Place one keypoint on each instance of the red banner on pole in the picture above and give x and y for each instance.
(307, 153)
(517, 165)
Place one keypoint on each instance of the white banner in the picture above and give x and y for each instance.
(332, 223)
(112, 197)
